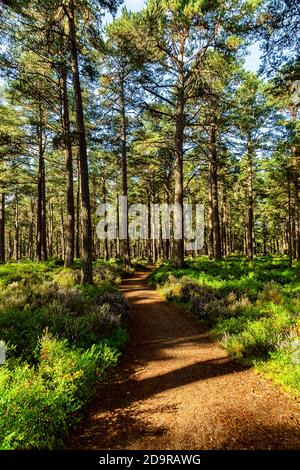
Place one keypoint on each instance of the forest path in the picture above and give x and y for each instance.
(176, 389)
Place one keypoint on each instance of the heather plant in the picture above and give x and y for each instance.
(51, 395)
(60, 338)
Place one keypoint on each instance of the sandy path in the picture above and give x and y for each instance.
(175, 389)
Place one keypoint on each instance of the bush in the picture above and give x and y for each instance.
(67, 278)
(270, 293)
(38, 405)
(283, 369)
(61, 339)
(257, 339)
(81, 316)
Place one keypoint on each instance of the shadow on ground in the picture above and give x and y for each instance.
(174, 388)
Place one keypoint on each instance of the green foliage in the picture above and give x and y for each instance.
(61, 339)
(82, 315)
(39, 404)
(282, 369)
(67, 278)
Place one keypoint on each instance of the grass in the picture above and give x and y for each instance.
(61, 339)
(252, 309)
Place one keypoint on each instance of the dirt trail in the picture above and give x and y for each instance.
(175, 389)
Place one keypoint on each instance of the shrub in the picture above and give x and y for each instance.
(270, 293)
(282, 369)
(198, 308)
(67, 278)
(48, 377)
(81, 316)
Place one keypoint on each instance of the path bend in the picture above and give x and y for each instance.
(176, 389)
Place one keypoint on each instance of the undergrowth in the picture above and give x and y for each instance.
(61, 338)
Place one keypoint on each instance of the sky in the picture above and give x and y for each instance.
(134, 5)
(252, 61)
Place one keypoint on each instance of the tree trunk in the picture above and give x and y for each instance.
(296, 211)
(62, 224)
(153, 229)
(290, 248)
(50, 228)
(10, 245)
(210, 228)
(215, 198)
(265, 237)
(149, 245)
(295, 179)
(125, 244)
(250, 249)
(225, 223)
(31, 232)
(78, 230)
(293, 236)
(178, 248)
(105, 252)
(87, 250)
(16, 227)
(41, 238)
(166, 242)
(70, 224)
(118, 228)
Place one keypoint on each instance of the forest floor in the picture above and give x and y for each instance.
(176, 389)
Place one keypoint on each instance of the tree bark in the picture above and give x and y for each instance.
(215, 197)
(50, 228)
(125, 243)
(290, 248)
(41, 238)
(16, 227)
(295, 180)
(210, 225)
(118, 228)
(62, 238)
(105, 247)
(293, 235)
(78, 229)
(250, 249)
(225, 222)
(296, 208)
(70, 224)
(166, 242)
(178, 249)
